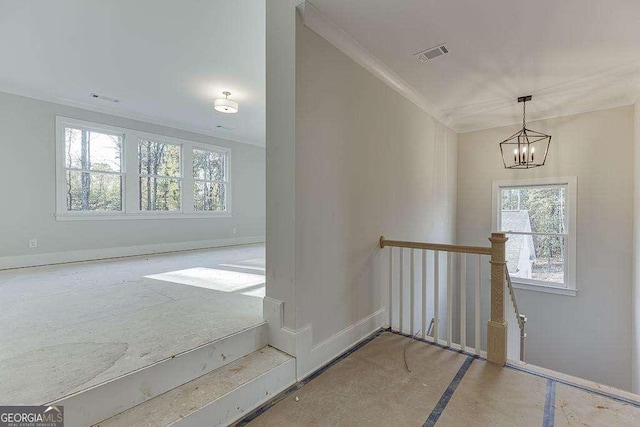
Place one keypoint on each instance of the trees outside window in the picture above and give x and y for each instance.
(160, 176)
(209, 180)
(538, 218)
(538, 215)
(105, 172)
(93, 170)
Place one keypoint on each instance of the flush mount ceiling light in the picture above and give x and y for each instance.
(526, 148)
(225, 105)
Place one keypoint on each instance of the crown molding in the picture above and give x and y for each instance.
(620, 102)
(330, 31)
(559, 99)
(124, 114)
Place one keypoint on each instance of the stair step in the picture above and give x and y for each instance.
(217, 398)
(120, 394)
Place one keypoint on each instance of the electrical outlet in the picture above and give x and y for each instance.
(234, 231)
(33, 243)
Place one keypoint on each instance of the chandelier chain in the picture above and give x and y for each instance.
(524, 106)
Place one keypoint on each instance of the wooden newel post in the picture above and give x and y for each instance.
(497, 327)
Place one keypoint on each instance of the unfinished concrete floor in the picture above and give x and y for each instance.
(372, 387)
(66, 328)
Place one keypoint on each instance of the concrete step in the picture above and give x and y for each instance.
(105, 400)
(218, 398)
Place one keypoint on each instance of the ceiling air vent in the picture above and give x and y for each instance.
(432, 53)
(105, 98)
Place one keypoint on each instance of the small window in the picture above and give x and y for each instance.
(209, 181)
(160, 176)
(538, 217)
(93, 170)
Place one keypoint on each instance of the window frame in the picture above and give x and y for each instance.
(131, 178)
(225, 180)
(179, 178)
(61, 167)
(569, 287)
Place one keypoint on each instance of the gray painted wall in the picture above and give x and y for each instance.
(368, 162)
(27, 161)
(588, 336)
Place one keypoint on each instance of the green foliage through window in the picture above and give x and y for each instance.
(209, 187)
(538, 214)
(95, 178)
(93, 170)
(160, 177)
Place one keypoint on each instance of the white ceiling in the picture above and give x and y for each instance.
(571, 55)
(166, 60)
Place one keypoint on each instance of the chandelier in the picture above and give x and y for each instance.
(526, 148)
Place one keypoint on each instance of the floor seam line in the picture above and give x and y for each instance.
(264, 407)
(448, 393)
(548, 418)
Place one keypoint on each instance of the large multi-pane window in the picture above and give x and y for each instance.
(103, 171)
(538, 218)
(93, 170)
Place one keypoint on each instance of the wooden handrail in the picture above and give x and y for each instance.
(496, 326)
(435, 247)
(514, 300)
(521, 318)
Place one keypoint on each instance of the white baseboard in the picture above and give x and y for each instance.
(310, 357)
(300, 343)
(106, 253)
(284, 339)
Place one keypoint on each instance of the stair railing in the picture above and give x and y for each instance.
(437, 275)
(521, 319)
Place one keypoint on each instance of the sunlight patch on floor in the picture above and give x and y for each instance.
(215, 279)
(257, 264)
(244, 267)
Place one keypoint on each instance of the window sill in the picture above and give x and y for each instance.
(140, 216)
(546, 289)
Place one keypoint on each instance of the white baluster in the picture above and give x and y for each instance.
(449, 297)
(424, 294)
(411, 292)
(391, 287)
(436, 292)
(401, 288)
(477, 310)
(463, 301)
